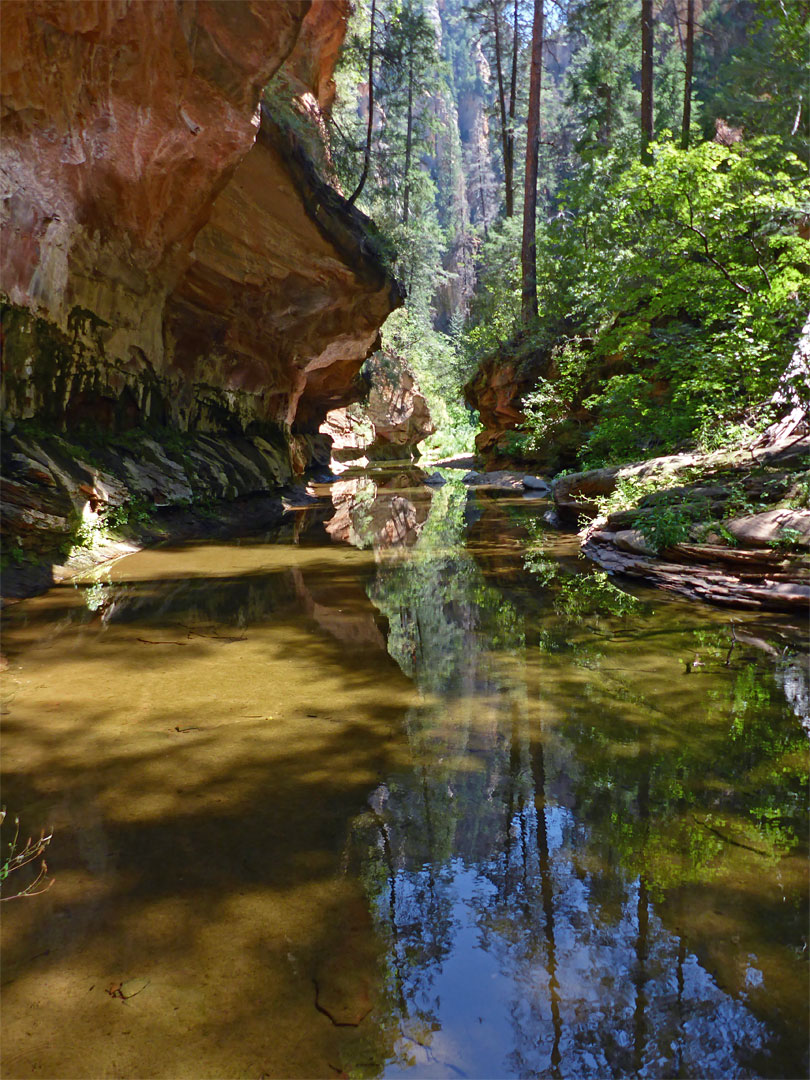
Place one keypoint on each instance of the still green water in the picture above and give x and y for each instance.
(403, 789)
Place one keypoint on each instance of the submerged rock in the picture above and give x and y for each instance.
(501, 480)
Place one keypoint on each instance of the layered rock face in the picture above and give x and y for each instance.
(497, 390)
(397, 409)
(169, 255)
(392, 423)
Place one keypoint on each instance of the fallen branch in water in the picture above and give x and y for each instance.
(146, 641)
(17, 859)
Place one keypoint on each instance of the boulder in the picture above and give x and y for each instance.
(772, 528)
(632, 540)
(396, 408)
(538, 484)
(574, 493)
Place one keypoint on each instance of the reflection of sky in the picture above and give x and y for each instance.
(619, 1014)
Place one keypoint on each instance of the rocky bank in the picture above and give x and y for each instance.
(731, 528)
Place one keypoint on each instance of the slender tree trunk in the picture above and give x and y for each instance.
(370, 128)
(689, 61)
(481, 195)
(528, 255)
(507, 161)
(643, 926)
(646, 77)
(406, 200)
(513, 103)
(607, 129)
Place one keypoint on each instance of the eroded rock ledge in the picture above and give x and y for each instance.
(169, 255)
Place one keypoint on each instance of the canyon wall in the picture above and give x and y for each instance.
(169, 254)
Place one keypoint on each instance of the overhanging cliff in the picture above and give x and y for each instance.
(169, 255)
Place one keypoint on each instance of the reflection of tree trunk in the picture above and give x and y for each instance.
(392, 911)
(547, 894)
(418, 626)
(512, 802)
(643, 920)
(639, 1019)
(429, 831)
(681, 961)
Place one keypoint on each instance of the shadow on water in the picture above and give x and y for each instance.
(372, 800)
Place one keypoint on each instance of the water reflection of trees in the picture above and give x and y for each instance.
(568, 798)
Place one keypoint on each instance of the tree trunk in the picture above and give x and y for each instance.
(481, 194)
(510, 139)
(370, 128)
(507, 161)
(528, 255)
(689, 62)
(646, 77)
(406, 200)
(607, 129)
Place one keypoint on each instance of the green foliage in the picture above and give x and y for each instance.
(550, 404)
(129, 514)
(602, 94)
(495, 310)
(687, 280)
(751, 69)
(575, 594)
(441, 372)
(15, 553)
(789, 539)
(669, 522)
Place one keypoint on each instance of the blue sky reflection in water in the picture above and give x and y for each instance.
(595, 868)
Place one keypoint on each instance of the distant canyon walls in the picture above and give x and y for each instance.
(169, 254)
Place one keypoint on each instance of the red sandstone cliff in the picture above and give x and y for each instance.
(168, 254)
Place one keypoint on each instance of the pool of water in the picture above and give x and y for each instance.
(403, 788)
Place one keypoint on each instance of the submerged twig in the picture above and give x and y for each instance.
(33, 849)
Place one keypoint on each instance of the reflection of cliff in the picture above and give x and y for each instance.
(212, 745)
(219, 609)
(383, 513)
(168, 252)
